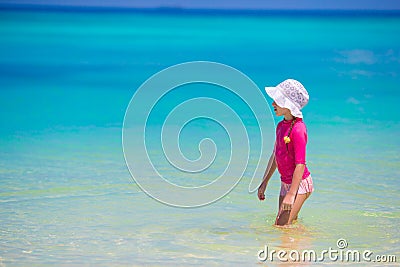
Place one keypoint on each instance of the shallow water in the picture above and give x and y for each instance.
(67, 197)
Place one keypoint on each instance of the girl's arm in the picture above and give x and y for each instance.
(270, 169)
(267, 175)
(299, 139)
(291, 195)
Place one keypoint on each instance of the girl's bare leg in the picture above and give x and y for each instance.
(283, 216)
(286, 218)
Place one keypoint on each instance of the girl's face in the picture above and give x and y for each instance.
(280, 111)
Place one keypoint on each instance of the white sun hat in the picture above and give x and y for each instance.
(289, 94)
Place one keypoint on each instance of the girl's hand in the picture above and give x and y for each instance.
(261, 191)
(288, 201)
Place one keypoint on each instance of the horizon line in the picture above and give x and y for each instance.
(178, 9)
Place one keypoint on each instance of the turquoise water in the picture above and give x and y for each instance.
(66, 79)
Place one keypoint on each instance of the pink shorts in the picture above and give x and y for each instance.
(306, 186)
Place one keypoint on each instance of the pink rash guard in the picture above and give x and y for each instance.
(288, 155)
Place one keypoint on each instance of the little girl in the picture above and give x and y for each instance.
(289, 153)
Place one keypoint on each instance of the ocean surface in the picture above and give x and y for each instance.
(67, 77)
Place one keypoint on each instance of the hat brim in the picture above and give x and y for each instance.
(282, 101)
